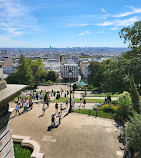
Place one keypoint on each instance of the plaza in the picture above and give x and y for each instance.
(78, 135)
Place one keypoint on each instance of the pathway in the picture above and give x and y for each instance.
(78, 136)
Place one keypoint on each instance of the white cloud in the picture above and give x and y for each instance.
(119, 23)
(103, 10)
(106, 14)
(134, 11)
(126, 22)
(15, 18)
(115, 28)
(77, 25)
(6, 41)
(14, 31)
(105, 23)
(84, 33)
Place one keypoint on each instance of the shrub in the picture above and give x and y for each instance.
(49, 82)
(109, 108)
(124, 106)
(134, 132)
(134, 95)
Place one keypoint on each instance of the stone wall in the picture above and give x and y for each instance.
(6, 143)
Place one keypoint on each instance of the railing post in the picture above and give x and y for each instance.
(89, 112)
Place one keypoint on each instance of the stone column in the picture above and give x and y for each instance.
(6, 143)
(7, 92)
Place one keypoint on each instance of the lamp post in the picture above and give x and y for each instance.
(70, 74)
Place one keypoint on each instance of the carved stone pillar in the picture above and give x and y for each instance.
(7, 92)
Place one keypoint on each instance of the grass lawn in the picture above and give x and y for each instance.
(14, 99)
(102, 95)
(21, 152)
(99, 113)
(62, 99)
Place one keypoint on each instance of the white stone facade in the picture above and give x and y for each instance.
(8, 69)
(52, 64)
(84, 69)
(8, 66)
(65, 71)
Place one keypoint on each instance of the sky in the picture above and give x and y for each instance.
(66, 23)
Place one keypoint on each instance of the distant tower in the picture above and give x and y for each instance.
(50, 47)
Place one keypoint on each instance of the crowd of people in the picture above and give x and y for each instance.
(26, 103)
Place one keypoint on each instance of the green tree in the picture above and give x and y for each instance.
(132, 35)
(12, 79)
(24, 72)
(95, 76)
(38, 71)
(116, 75)
(51, 76)
(134, 95)
(134, 133)
(29, 72)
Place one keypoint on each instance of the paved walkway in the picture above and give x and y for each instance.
(78, 136)
(77, 94)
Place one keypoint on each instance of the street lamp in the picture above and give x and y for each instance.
(70, 75)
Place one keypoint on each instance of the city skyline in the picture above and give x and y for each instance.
(61, 24)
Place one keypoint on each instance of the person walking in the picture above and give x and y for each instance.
(84, 102)
(66, 101)
(17, 109)
(73, 102)
(22, 100)
(33, 96)
(37, 96)
(80, 101)
(61, 108)
(54, 94)
(56, 108)
(53, 121)
(40, 96)
(43, 109)
(60, 117)
(45, 98)
(24, 106)
(67, 93)
(30, 103)
(47, 103)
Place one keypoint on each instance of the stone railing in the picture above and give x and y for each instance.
(25, 141)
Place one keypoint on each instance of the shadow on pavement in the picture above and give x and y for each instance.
(21, 113)
(41, 116)
(49, 128)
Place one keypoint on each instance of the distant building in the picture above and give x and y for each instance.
(65, 72)
(52, 64)
(84, 69)
(8, 66)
